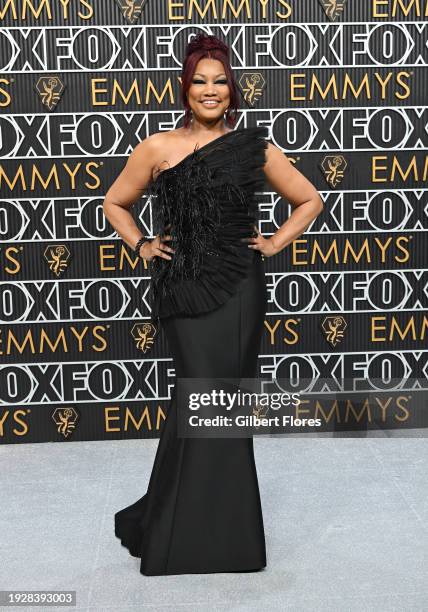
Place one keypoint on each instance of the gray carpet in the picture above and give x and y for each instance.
(345, 520)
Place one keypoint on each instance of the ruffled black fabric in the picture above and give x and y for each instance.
(207, 203)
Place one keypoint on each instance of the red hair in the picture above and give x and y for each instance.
(204, 45)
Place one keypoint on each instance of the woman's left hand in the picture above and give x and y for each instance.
(264, 245)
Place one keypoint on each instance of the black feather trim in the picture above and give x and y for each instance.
(208, 201)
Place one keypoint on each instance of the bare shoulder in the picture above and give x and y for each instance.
(168, 147)
(151, 144)
(144, 158)
(162, 140)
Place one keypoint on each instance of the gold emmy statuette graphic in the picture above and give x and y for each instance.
(252, 85)
(333, 8)
(260, 412)
(50, 90)
(57, 257)
(131, 9)
(65, 419)
(334, 328)
(333, 167)
(143, 335)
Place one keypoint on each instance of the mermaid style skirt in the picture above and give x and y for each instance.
(202, 511)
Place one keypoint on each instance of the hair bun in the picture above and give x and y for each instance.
(206, 42)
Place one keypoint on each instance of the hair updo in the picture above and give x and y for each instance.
(205, 45)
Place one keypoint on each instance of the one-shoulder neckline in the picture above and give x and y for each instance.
(198, 149)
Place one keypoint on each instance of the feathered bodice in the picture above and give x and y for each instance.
(207, 203)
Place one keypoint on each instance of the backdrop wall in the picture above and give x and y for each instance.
(342, 87)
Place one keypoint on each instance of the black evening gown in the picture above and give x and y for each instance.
(202, 511)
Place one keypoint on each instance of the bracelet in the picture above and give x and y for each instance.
(139, 244)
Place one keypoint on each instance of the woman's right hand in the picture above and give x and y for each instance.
(156, 248)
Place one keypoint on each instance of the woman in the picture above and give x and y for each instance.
(202, 511)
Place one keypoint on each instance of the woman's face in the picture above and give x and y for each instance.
(209, 83)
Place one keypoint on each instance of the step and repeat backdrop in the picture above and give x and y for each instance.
(342, 86)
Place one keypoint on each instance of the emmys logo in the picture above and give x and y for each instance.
(57, 257)
(333, 167)
(252, 85)
(65, 419)
(144, 335)
(333, 328)
(332, 8)
(131, 9)
(50, 90)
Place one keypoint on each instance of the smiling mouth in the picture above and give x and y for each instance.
(210, 103)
